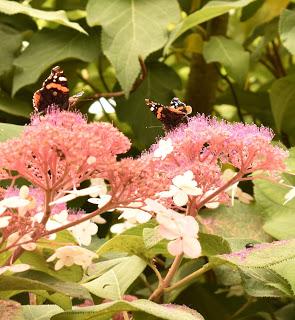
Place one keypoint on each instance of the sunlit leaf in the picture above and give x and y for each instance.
(287, 29)
(211, 10)
(114, 283)
(131, 29)
(60, 17)
(230, 54)
(106, 310)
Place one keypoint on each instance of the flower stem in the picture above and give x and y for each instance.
(187, 279)
(155, 296)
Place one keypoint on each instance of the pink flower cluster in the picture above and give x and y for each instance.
(60, 149)
(205, 144)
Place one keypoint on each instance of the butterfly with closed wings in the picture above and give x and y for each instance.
(54, 91)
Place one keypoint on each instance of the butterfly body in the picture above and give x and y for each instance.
(171, 116)
(54, 91)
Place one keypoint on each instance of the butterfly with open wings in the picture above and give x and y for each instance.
(171, 116)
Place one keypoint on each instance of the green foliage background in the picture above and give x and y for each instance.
(232, 59)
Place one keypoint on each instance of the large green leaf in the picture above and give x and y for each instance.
(282, 97)
(106, 310)
(60, 17)
(15, 106)
(42, 312)
(230, 54)
(211, 10)
(114, 283)
(13, 41)
(279, 218)
(131, 29)
(9, 131)
(34, 280)
(239, 221)
(158, 86)
(48, 47)
(267, 265)
(287, 29)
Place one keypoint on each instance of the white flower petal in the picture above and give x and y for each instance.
(175, 247)
(191, 247)
(180, 198)
(14, 202)
(63, 199)
(289, 195)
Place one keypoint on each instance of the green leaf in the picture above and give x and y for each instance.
(279, 218)
(9, 131)
(287, 29)
(239, 221)
(131, 29)
(131, 241)
(282, 97)
(211, 10)
(268, 268)
(60, 17)
(42, 312)
(114, 283)
(158, 86)
(61, 44)
(13, 41)
(261, 282)
(230, 54)
(10, 310)
(106, 310)
(34, 280)
(263, 254)
(15, 106)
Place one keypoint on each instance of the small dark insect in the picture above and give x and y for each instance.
(171, 116)
(249, 245)
(54, 91)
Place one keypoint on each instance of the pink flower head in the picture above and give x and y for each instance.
(204, 144)
(60, 149)
(135, 180)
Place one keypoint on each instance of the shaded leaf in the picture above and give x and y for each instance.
(282, 97)
(34, 280)
(15, 106)
(239, 221)
(230, 54)
(60, 17)
(211, 10)
(106, 310)
(158, 86)
(131, 29)
(61, 44)
(13, 41)
(114, 283)
(287, 29)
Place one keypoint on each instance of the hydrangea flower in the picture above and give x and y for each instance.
(57, 150)
(69, 255)
(183, 186)
(132, 216)
(23, 241)
(289, 195)
(83, 232)
(181, 230)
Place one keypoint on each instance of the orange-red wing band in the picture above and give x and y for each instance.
(57, 86)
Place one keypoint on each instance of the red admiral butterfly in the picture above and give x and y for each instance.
(171, 116)
(54, 91)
